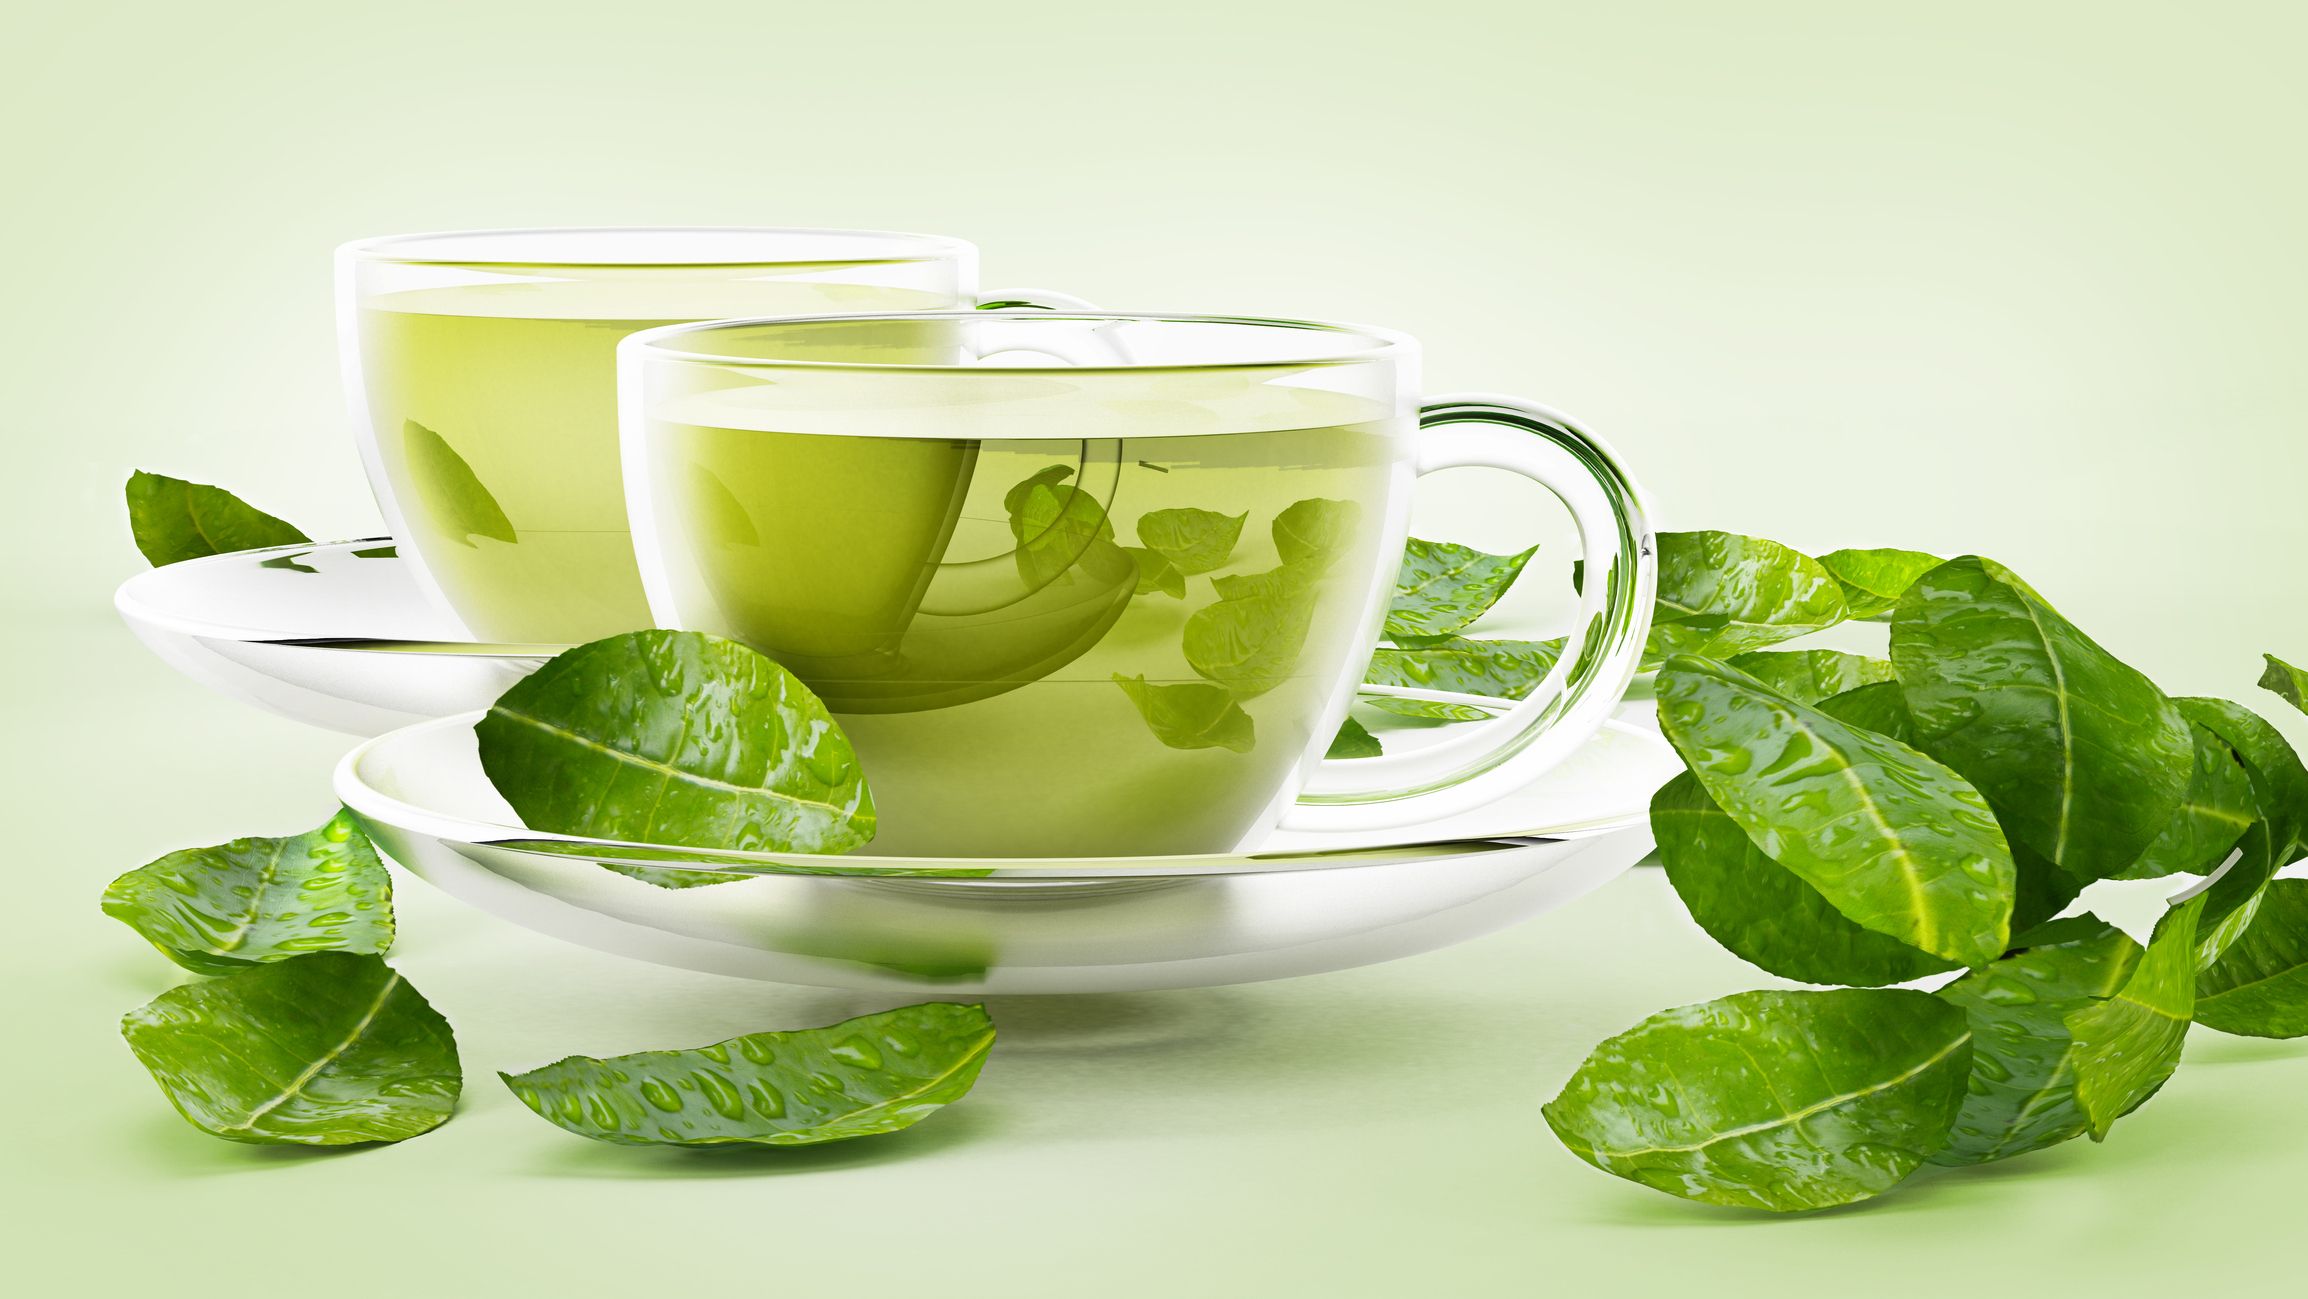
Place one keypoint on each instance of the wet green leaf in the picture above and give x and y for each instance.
(378, 552)
(1157, 574)
(1880, 708)
(1808, 676)
(445, 487)
(1425, 710)
(1874, 580)
(1759, 910)
(1194, 541)
(860, 1078)
(2128, 1045)
(2083, 758)
(2215, 812)
(1315, 530)
(1784, 1101)
(678, 738)
(2258, 987)
(2279, 780)
(1354, 741)
(1444, 587)
(2288, 683)
(2022, 1094)
(1722, 594)
(238, 904)
(1249, 641)
(329, 1049)
(1191, 716)
(1891, 838)
(1507, 669)
(174, 520)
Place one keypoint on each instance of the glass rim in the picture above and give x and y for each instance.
(908, 246)
(1377, 343)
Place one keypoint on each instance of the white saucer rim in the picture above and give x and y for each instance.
(367, 801)
(128, 601)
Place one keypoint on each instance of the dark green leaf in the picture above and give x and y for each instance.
(1722, 594)
(1314, 531)
(1889, 837)
(1783, 1101)
(1157, 574)
(2083, 758)
(2023, 1077)
(1808, 676)
(330, 1049)
(378, 552)
(679, 738)
(1425, 710)
(1354, 741)
(2289, 683)
(1759, 910)
(2259, 986)
(445, 487)
(1194, 541)
(860, 1078)
(290, 563)
(2279, 780)
(1874, 580)
(2215, 812)
(2127, 1045)
(1249, 641)
(174, 520)
(1508, 669)
(238, 904)
(1191, 716)
(1880, 708)
(1444, 587)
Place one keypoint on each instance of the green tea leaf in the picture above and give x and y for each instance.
(329, 1049)
(1014, 500)
(1315, 530)
(2083, 758)
(860, 1078)
(1157, 574)
(2279, 780)
(378, 552)
(1444, 587)
(1191, 716)
(1249, 641)
(2288, 683)
(1880, 708)
(2022, 1094)
(1194, 541)
(1759, 910)
(1354, 741)
(445, 487)
(2128, 1045)
(242, 903)
(1874, 580)
(1425, 710)
(1892, 839)
(680, 738)
(174, 520)
(1054, 526)
(2215, 812)
(1783, 1101)
(1808, 676)
(1722, 594)
(2258, 987)
(1508, 669)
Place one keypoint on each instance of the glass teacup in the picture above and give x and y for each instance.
(1096, 584)
(481, 367)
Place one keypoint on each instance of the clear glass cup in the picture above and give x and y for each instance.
(1093, 584)
(481, 369)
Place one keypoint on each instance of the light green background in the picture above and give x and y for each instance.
(2016, 278)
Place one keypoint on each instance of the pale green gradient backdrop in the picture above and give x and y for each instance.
(2016, 278)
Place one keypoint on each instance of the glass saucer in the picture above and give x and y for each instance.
(1296, 904)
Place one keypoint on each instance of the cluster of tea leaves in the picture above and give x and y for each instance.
(1242, 645)
(1860, 821)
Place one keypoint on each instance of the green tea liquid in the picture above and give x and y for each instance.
(495, 415)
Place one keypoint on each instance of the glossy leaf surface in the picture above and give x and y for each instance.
(1891, 838)
(242, 903)
(330, 1049)
(1444, 587)
(1808, 676)
(1874, 580)
(1354, 740)
(174, 520)
(860, 1078)
(1721, 594)
(674, 737)
(1505, 669)
(2259, 986)
(2127, 1046)
(1782, 1101)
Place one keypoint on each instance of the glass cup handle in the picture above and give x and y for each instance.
(1587, 682)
